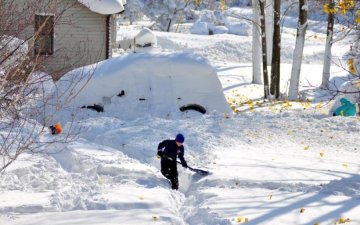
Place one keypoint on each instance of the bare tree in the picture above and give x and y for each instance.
(347, 14)
(264, 49)
(256, 43)
(298, 52)
(23, 91)
(328, 45)
(275, 62)
(269, 19)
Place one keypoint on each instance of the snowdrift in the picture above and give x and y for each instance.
(139, 84)
(348, 90)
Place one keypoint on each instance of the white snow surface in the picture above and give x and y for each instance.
(104, 6)
(145, 36)
(279, 163)
(156, 84)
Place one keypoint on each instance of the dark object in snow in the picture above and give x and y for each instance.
(97, 108)
(197, 171)
(55, 129)
(195, 107)
(143, 46)
(122, 93)
(142, 99)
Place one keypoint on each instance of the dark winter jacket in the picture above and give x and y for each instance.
(168, 150)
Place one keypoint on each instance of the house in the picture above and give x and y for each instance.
(66, 34)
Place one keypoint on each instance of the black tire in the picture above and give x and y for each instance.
(194, 107)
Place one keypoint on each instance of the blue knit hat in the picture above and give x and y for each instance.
(180, 138)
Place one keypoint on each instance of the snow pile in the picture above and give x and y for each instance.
(139, 84)
(349, 90)
(144, 40)
(104, 6)
(200, 28)
(242, 29)
(269, 164)
(215, 22)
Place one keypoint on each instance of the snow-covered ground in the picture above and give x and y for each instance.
(272, 163)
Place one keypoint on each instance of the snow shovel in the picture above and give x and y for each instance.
(198, 171)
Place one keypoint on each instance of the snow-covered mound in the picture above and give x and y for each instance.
(349, 90)
(139, 84)
(146, 38)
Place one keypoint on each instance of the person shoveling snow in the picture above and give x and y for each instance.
(169, 150)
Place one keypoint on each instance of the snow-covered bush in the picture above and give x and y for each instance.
(242, 29)
(200, 28)
(221, 30)
(210, 22)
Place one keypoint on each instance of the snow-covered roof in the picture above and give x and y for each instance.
(104, 6)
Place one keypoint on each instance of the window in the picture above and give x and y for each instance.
(44, 36)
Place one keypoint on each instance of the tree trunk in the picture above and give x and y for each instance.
(298, 52)
(328, 45)
(256, 44)
(269, 19)
(263, 46)
(275, 61)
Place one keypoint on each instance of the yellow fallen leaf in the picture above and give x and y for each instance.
(343, 220)
(345, 165)
(289, 132)
(141, 198)
(316, 223)
(321, 154)
(357, 84)
(306, 147)
(239, 219)
(319, 106)
(270, 197)
(246, 220)
(101, 180)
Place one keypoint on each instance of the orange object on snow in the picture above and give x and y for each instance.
(56, 128)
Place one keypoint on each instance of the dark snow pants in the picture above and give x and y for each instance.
(169, 170)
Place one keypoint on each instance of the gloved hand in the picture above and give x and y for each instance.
(184, 164)
(160, 154)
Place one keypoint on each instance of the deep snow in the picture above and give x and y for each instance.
(272, 163)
